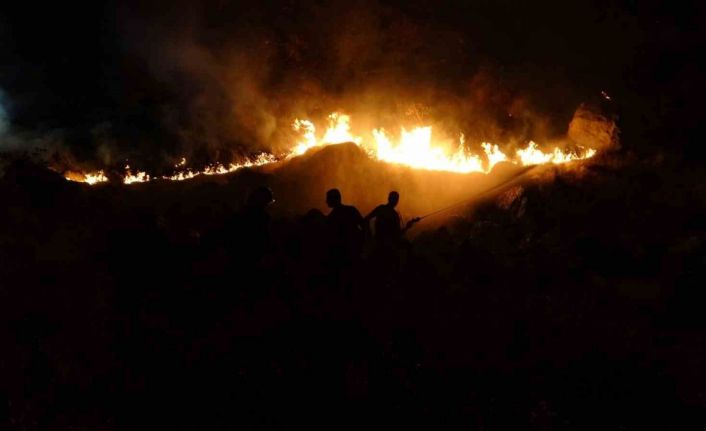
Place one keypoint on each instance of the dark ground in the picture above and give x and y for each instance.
(577, 305)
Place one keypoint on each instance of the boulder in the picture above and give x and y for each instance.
(591, 127)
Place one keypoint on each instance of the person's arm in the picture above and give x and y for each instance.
(360, 220)
(372, 215)
(366, 220)
(410, 223)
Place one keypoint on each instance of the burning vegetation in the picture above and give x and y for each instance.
(416, 148)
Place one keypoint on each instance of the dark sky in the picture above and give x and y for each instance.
(151, 77)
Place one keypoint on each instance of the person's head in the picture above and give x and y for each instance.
(260, 197)
(393, 198)
(333, 198)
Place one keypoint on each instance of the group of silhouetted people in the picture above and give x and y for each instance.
(344, 229)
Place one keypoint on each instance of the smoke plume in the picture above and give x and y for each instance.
(218, 81)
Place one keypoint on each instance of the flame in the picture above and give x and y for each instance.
(139, 177)
(308, 132)
(98, 177)
(220, 169)
(534, 156)
(493, 153)
(416, 147)
(88, 178)
(338, 132)
(181, 176)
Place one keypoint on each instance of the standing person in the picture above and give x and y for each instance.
(344, 228)
(388, 230)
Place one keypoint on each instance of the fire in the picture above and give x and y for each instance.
(338, 132)
(139, 177)
(493, 153)
(183, 173)
(88, 178)
(219, 169)
(417, 147)
(181, 176)
(98, 177)
(534, 156)
(308, 132)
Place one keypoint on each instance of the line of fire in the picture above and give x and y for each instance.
(414, 148)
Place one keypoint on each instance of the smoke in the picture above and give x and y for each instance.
(216, 81)
(238, 75)
(41, 147)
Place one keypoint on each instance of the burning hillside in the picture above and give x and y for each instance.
(259, 214)
(417, 148)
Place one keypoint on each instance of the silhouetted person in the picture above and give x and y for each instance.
(388, 232)
(344, 229)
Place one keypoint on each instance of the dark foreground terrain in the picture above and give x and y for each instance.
(574, 302)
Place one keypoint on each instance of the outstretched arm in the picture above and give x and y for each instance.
(410, 223)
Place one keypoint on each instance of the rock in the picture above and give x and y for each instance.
(592, 128)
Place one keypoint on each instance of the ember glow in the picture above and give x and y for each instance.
(417, 148)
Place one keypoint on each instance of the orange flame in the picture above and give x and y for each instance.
(416, 148)
(138, 177)
(88, 177)
(219, 169)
